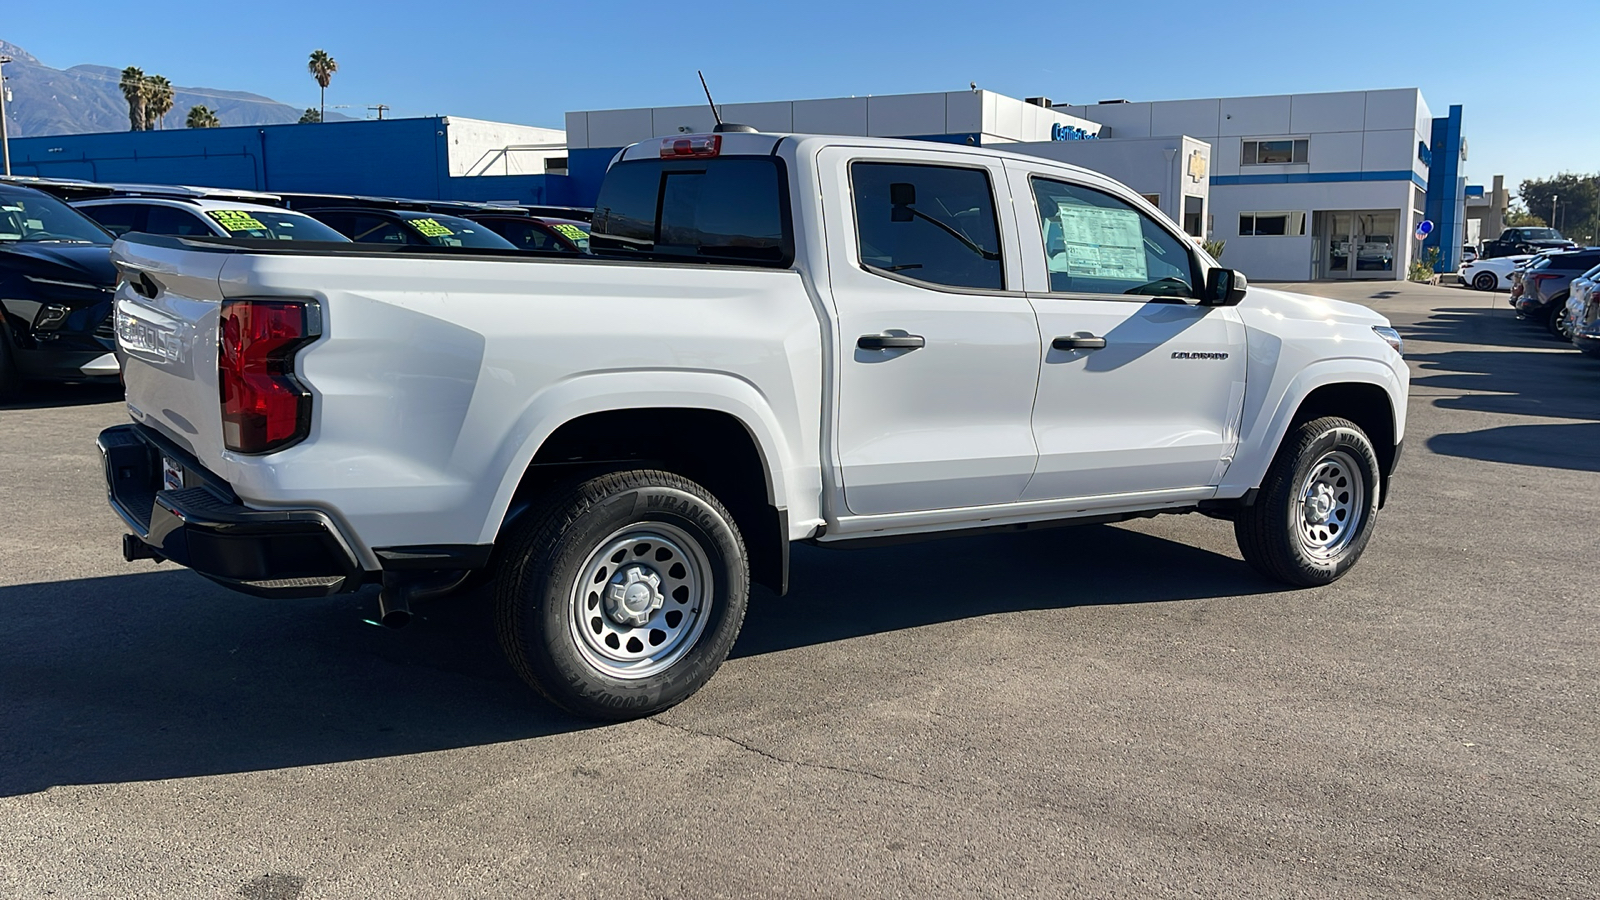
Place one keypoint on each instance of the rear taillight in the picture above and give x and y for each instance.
(264, 407)
(694, 146)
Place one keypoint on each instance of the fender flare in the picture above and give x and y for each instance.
(597, 392)
(1248, 469)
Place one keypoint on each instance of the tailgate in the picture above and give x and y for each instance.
(166, 320)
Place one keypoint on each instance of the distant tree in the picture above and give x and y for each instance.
(158, 101)
(135, 91)
(201, 117)
(310, 117)
(1575, 200)
(322, 66)
(1517, 216)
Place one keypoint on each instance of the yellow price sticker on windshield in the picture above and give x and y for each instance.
(431, 228)
(571, 232)
(236, 220)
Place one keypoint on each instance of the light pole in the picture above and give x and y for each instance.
(1553, 200)
(5, 136)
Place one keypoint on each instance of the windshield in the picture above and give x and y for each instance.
(449, 231)
(1541, 234)
(32, 216)
(270, 225)
(576, 232)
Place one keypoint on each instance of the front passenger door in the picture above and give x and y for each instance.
(1140, 387)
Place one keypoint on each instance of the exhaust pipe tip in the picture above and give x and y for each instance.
(400, 588)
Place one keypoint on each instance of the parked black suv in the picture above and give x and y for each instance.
(1525, 239)
(56, 286)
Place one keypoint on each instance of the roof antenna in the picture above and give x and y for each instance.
(722, 127)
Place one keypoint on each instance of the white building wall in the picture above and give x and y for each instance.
(478, 147)
(995, 117)
(1291, 258)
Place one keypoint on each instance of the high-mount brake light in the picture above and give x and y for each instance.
(692, 146)
(264, 406)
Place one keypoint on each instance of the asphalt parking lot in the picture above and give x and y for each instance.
(1106, 711)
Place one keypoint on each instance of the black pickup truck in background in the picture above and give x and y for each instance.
(1525, 239)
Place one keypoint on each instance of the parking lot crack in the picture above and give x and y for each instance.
(767, 754)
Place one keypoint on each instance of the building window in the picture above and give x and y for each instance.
(1287, 151)
(1272, 224)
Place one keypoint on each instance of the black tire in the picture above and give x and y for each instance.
(1485, 281)
(563, 638)
(1557, 322)
(1277, 536)
(10, 381)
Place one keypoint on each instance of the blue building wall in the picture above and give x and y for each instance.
(390, 158)
(1445, 200)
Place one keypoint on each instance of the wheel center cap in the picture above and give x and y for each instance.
(633, 596)
(1319, 505)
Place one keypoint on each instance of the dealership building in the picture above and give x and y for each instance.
(1296, 186)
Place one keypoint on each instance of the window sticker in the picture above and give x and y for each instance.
(236, 220)
(571, 232)
(1100, 243)
(430, 228)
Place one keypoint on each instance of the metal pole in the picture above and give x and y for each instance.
(5, 136)
(1553, 200)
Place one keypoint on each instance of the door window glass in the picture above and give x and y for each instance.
(117, 218)
(1097, 244)
(168, 220)
(929, 223)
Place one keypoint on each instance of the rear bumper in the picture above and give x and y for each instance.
(284, 553)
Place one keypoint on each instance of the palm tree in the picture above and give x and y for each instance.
(159, 99)
(322, 67)
(201, 117)
(134, 89)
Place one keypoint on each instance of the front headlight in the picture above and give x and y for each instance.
(1390, 337)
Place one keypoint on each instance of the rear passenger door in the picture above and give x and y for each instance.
(117, 218)
(175, 221)
(938, 351)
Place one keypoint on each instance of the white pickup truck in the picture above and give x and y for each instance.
(780, 338)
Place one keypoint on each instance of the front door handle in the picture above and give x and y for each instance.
(1079, 342)
(890, 341)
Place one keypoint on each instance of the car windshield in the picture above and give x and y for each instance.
(1541, 234)
(32, 216)
(576, 232)
(449, 231)
(271, 225)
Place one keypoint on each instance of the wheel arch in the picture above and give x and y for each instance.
(711, 428)
(1366, 392)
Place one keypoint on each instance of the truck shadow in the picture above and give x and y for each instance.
(1558, 383)
(1573, 445)
(1491, 325)
(164, 675)
(48, 395)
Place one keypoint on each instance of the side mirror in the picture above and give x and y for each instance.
(1225, 287)
(902, 196)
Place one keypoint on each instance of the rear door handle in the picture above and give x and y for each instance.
(1079, 342)
(890, 342)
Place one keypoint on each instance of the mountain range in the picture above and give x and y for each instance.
(86, 99)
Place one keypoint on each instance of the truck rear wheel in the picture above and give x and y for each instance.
(622, 594)
(1317, 505)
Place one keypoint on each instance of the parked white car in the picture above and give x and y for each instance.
(779, 338)
(1492, 274)
(204, 216)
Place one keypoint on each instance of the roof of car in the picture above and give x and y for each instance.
(200, 203)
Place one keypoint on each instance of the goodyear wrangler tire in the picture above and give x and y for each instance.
(1317, 505)
(621, 595)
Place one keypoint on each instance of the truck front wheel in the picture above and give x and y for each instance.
(1317, 505)
(621, 595)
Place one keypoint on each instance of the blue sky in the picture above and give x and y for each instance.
(530, 62)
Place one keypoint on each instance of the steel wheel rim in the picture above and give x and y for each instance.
(625, 560)
(1330, 505)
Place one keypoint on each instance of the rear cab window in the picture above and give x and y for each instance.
(727, 209)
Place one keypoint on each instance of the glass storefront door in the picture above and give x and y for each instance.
(1360, 244)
